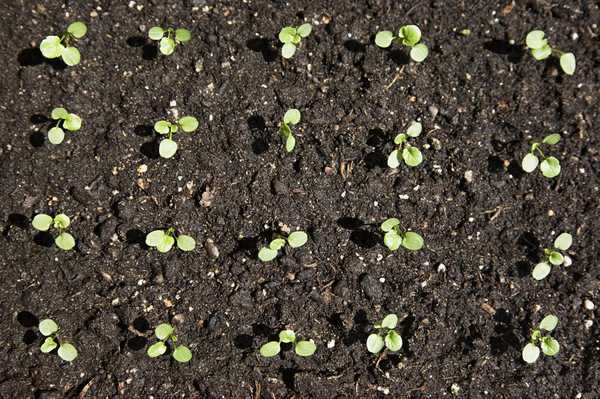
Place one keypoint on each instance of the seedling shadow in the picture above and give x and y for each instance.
(505, 337)
(33, 57)
(288, 376)
(360, 235)
(249, 245)
(44, 239)
(258, 127)
(530, 244)
(149, 50)
(18, 220)
(135, 236)
(37, 139)
(354, 46)
(28, 320)
(358, 333)
(263, 46)
(400, 57)
(503, 47)
(150, 148)
(243, 341)
(144, 130)
(376, 158)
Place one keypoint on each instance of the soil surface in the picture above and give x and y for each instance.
(466, 301)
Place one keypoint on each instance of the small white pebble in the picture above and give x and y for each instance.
(589, 305)
(588, 324)
(331, 344)
(567, 261)
(403, 196)
(172, 103)
(382, 280)
(441, 268)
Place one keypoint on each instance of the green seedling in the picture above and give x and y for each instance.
(65, 120)
(385, 336)
(168, 147)
(164, 333)
(302, 348)
(55, 46)
(296, 239)
(549, 166)
(541, 49)
(49, 329)
(549, 345)
(164, 240)
(291, 117)
(553, 256)
(169, 38)
(410, 154)
(408, 35)
(291, 38)
(394, 237)
(60, 223)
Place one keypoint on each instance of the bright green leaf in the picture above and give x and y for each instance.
(549, 322)
(162, 127)
(65, 241)
(530, 353)
(412, 156)
(166, 244)
(550, 167)
(288, 50)
(51, 47)
(556, 258)
(156, 349)
(183, 35)
(304, 30)
(72, 122)
(529, 163)
(56, 135)
(167, 46)
(384, 39)
(550, 346)
(167, 148)
(290, 143)
(541, 270)
(390, 321)
(154, 237)
(400, 138)
(535, 39)
(49, 345)
(186, 243)
(291, 117)
(77, 29)
(61, 221)
(393, 341)
(392, 240)
(414, 130)
(563, 241)
(389, 224)
(67, 352)
(374, 343)
(410, 34)
(182, 354)
(59, 113)
(551, 139)
(412, 241)
(541, 53)
(71, 56)
(270, 349)
(305, 348)
(419, 52)
(393, 160)
(156, 33)
(47, 327)
(42, 222)
(163, 331)
(567, 63)
(287, 336)
(277, 244)
(286, 35)
(266, 254)
(188, 124)
(297, 239)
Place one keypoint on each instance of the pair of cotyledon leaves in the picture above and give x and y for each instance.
(163, 332)
(71, 122)
(392, 340)
(48, 328)
(410, 35)
(550, 166)
(302, 348)
(296, 239)
(53, 47)
(291, 37)
(163, 241)
(291, 117)
(549, 346)
(411, 155)
(393, 238)
(43, 222)
(168, 147)
(541, 49)
(167, 43)
(563, 242)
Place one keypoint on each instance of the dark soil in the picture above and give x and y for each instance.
(466, 302)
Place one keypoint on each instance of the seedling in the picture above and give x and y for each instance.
(169, 38)
(65, 120)
(550, 166)
(168, 147)
(49, 329)
(404, 150)
(291, 117)
(553, 256)
(541, 49)
(302, 348)
(55, 46)
(163, 240)
(291, 38)
(164, 332)
(394, 237)
(408, 35)
(60, 222)
(296, 239)
(385, 336)
(549, 345)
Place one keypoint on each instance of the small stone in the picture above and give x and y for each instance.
(278, 187)
(469, 176)
(371, 287)
(441, 268)
(567, 261)
(588, 324)
(589, 305)
(159, 279)
(437, 145)
(455, 389)
(211, 249)
(433, 110)
(550, 212)
(199, 66)
(142, 169)
(331, 344)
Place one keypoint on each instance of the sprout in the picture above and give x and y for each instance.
(164, 332)
(408, 153)
(549, 166)
(55, 46)
(49, 329)
(541, 49)
(291, 117)
(294, 240)
(385, 336)
(63, 118)
(60, 222)
(549, 345)
(291, 38)
(163, 240)
(408, 35)
(168, 147)
(393, 237)
(169, 38)
(302, 348)
(553, 256)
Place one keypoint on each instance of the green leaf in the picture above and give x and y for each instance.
(384, 39)
(410, 34)
(154, 238)
(67, 352)
(162, 127)
(567, 63)
(530, 353)
(412, 156)
(550, 167)
(65, 241)
(277, 244)
(270, 349)
(390, 321)
(182, 354)
(304, 30)
(541, 270)
(529, 162)
(186, 243)
(266, 254)
(166, 244)
(535, 39)
(167, 148)
(393, 159)
(182, 35)
(563, 241)
(42, 222)
(419, 52)
(286, 35)
(49, 345)
(549, 322)
(47, 327)
(392, 240)
(400, 138)
(290, 143)
(288, 50)
(414, 130)
(71, 56)
(72, 122)
(61, 221)
(56, 135)
(51, 47)
(412, 241)
(291, 117)
(389, 224)
(77, 29)
(188, 124)
(393, 341)
(59, 113)
(156, 349)
(551, 139)
(167, 45)
(305, 348)
(374, 343)
(156, 33)
(541, 53)
(163, 331)
(287, 336)
(297, 239)
(556, 258)
(550, 346)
